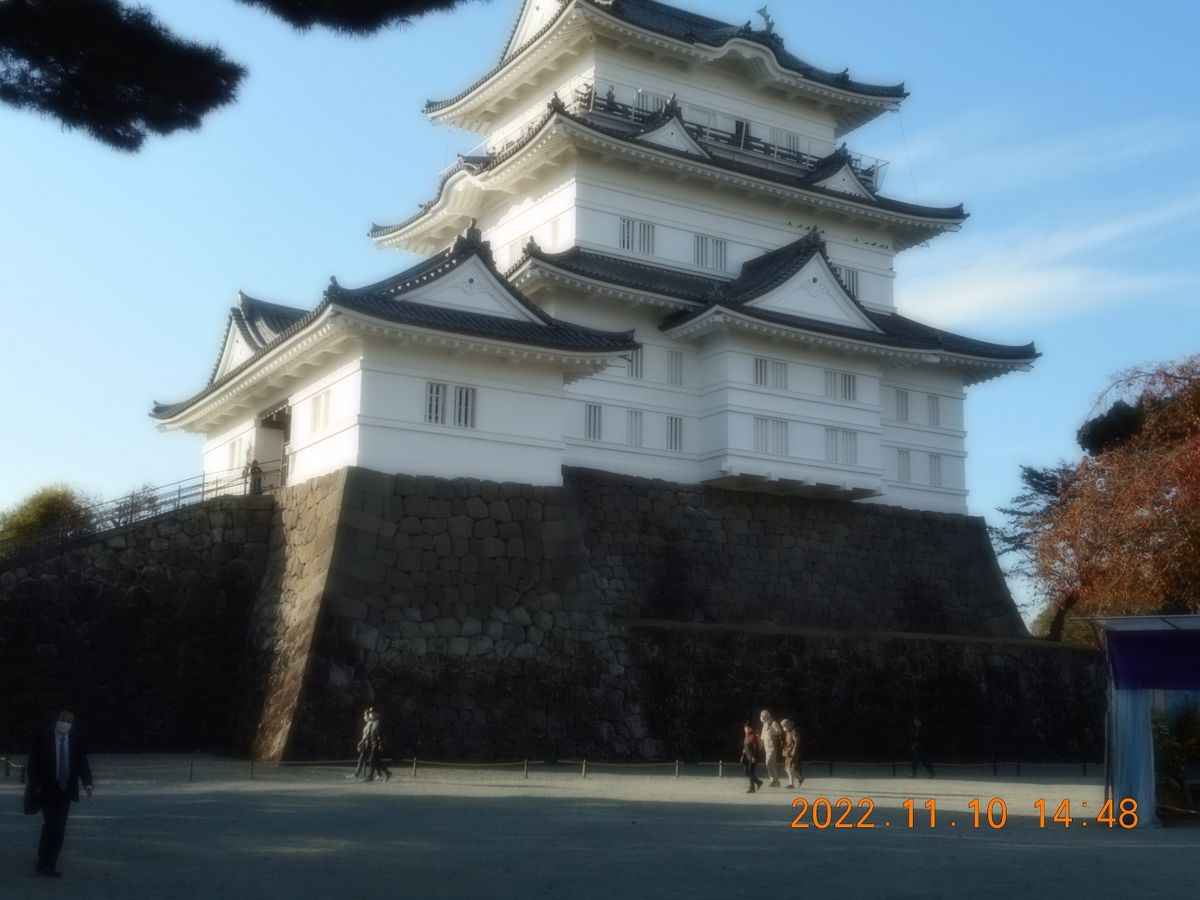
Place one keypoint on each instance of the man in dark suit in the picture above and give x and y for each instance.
(57, 766)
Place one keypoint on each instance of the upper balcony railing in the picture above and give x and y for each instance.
(635, 105)
(794, 150)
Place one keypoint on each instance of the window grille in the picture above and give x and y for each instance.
(674, 432)
(711, 252)
(849, 278)
(935, 470)
(435, 403)
(771, 435)
(464, 407)
(772, 373)
(674, 367)
(841, 386)
(841, 446)
(592, 418)
(901, 406)
(319, 419)
(903, 465)
(633, 428)
(637, 236)
(935, 410)
(635, 363)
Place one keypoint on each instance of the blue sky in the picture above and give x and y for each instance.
(1068, 128)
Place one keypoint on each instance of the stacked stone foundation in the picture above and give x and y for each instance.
(611, 618)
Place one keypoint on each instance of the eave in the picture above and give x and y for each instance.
(974, 368)
(536, 273)
(475, 108)
(449, 214)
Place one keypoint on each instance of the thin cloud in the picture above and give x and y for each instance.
(1055, 271)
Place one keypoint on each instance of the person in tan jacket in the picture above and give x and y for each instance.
(772, 743)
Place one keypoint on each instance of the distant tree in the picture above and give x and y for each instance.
(57, 507)
(117, 72)
(1124, 536)
(1111, 428)
(1026, 517)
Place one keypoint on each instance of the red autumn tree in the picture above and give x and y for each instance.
(1124, 537)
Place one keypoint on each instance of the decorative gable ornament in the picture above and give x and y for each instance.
(815, 292)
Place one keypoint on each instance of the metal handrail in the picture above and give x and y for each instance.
(138, 506)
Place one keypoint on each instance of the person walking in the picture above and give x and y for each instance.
(750, 754)
(360, 766)
(373, 735)
(57, 767)
(791, 753)
(918, 748)
(772, 744)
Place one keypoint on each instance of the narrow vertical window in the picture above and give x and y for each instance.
(771, 435)
(772, 373)
(674, 367)
(849, 278)
(710, 252)
(319, 420)
(674, 432)
(841, 386)
(901, 406)
(637, 236)
(592, 418)
(935, 410)
(935, 470)
(464, 407)
(435, 403)
(633, 428)
(635, 363)
(841, 446)
(903, 465)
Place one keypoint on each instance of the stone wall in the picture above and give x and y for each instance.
(609, 618)
(618, 617)
(142, 631)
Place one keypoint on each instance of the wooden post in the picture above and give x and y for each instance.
(720, 768)
(676, 768)
(414, 772)
(526, 769)
(584, 772)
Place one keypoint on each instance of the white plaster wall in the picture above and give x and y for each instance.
(317, 448)
(546, 213)
(518, 416)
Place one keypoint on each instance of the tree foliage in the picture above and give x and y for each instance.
(115, 71)
(57, 507)
(1124, 535)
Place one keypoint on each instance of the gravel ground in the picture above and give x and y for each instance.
(489, 832)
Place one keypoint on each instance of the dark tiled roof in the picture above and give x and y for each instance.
(697, 29)
(758, 277)
(693, 29)
(384, 300)
(627, 273)
(802, 181)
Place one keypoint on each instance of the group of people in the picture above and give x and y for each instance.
(371, 766)
(776, 743)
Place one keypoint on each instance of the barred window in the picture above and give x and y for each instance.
(442, 407)
(903, 465)
(901, 406)
(935, 470)
(841, 446)
(841, 386)
(935, 410)
(592, 418)
(849, 278)
(633, 427)
(674, 432)
(711, 252)
(635, 363)
(772, 373)
(674, 367)
(637, 236)
(464, 407)
(319, 419)
(771, 435)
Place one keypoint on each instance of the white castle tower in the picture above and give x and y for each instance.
(661, 261)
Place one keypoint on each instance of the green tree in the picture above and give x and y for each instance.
(58, 508)
(121, 75)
